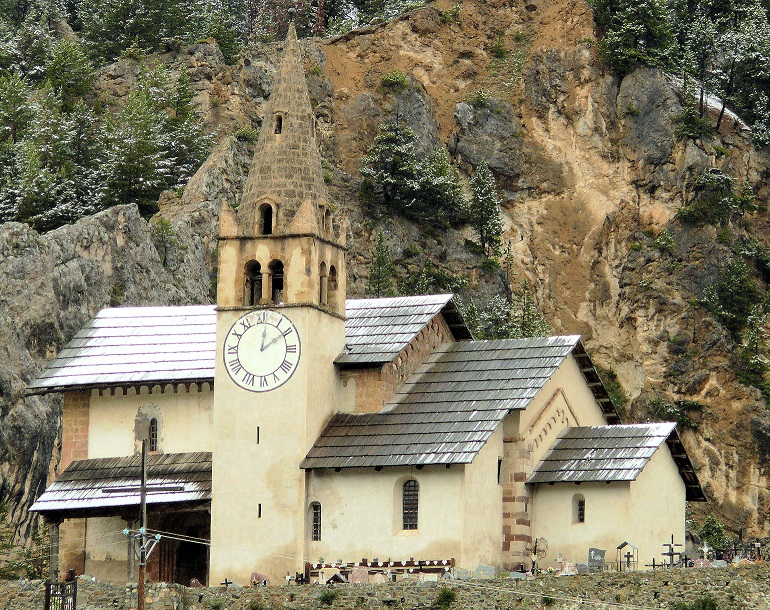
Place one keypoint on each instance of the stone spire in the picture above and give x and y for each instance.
(286, 170)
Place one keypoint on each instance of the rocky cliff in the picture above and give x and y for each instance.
(589, 166)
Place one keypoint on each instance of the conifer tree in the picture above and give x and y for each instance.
(485, 210)
(380, 282)
(391, 165)
(526, 319)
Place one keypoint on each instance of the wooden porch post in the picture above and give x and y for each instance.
(53, 528)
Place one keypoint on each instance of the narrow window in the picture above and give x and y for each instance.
(276, 269)
(266, 219)
(278, 123)
(331, 288)
(259, 511)
(411, 494)
(323, 297)
(253, 287)
(328, 222)
(316, 508)
(153, 434)
(578, 508)
(257, 435)
(499, 469)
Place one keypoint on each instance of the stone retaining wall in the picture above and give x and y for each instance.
(737, 588)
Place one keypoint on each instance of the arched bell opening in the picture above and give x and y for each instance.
(277, 281)
(253, 283)
(323, 296)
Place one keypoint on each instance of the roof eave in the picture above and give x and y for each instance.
(114, 386)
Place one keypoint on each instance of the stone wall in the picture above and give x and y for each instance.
(738, 588)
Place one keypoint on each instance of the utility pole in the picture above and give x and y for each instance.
(142, 529)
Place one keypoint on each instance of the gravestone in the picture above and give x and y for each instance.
(567, 569)
(595, 559)
(719, 563)
(378, 578)
(359, 575)
(462, 574)
(485, 572)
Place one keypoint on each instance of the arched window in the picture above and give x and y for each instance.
(253, 284)
(410, 504)
(323, 297)
(266, 219)
(315, 516)
(578, 508)
(278, 123)
(153, 444)
(276, 272)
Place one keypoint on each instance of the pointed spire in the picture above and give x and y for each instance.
(286, 169)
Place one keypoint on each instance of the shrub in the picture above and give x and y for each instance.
(615, 389)
(664, 241)
(452, 15)
(479, 99)
(328, 596)
(445, 597)
(499, 50)
(666, 411)
(395, 81)
(702, 603)
(247, 134)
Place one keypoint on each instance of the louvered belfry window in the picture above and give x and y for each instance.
(411, 498)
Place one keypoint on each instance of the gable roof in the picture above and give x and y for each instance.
(104, 486)
(610, 453)
(160, 345)
(447, 409)
(135, 345)
(376, 330)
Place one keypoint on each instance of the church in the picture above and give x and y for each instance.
(291, 430)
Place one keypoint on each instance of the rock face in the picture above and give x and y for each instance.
(589, 167)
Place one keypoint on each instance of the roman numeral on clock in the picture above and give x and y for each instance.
(232, 350)
(248, 378)
(285, 366)
(235, 365)
(291, 349)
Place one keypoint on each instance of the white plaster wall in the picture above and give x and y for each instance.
(361, 514)
(609, 517)
(483, 506)
(659, 498)
(107, 549)
(184, 418)
(247, 474)
(645, 512)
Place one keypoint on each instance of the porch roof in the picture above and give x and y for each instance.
(110, 486)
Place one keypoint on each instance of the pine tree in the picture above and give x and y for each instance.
(526, 319)
(69, 71)
(391, 166)
(485, 215)
(15, 108)
(636, 32)
(439, 192)
(495, 321)
(380, 282)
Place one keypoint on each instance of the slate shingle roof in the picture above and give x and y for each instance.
(148, 345)
(376, 330)
(80, 489)
(601, 453)
(448, 409)
(127, 345)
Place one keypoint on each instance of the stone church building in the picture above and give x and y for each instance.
(293, 430)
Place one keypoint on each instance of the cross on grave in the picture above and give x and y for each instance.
(671, 553)
(629, 556)
(226, 583)
(705, 550)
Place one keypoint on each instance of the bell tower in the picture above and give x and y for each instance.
(284, 244)
(280, 325)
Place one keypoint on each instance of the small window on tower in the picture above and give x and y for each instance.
(266, 219)
(278, 123)
(153, 435)
(578, 508)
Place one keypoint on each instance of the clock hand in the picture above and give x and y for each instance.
(274, 339)
(264, 334)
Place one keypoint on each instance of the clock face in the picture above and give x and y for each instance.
(262, 350)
